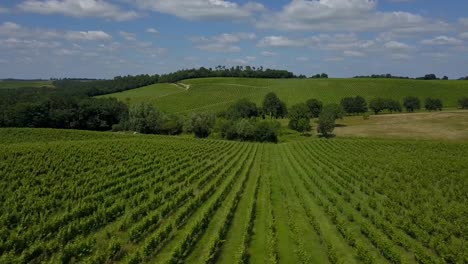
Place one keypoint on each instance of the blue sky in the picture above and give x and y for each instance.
(106, 38)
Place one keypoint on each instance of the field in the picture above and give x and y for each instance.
(213, 94)
(123, 198)
(21, 84)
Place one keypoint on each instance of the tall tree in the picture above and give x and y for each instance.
(273, 106)
(315, 107)
(412, 103)
(299, 118)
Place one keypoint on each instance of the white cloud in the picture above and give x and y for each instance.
(302, 59)
(202, 9)
(463, 21)
(4, 10)
(242, 61)
(280, 42)
(87, 35)
(152, 31)
(463, 35)
(226, 42)
(127, 36)
(78, 8)
(342, 15)
(268, 53)
(441, 40)
(353, 53)
(395, 45)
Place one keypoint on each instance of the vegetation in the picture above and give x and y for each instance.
(315, 107)
(326, 122)
(354, 105)
(412, 103)
(463, 103)
(299, 118)
(273, 107)
(433, 104)
(216, 94)
(155, 199)
(378, 105)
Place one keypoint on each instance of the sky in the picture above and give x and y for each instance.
(344, 38)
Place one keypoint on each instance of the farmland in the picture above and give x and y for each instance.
(213, 94)
(73, 196)
(22, 84)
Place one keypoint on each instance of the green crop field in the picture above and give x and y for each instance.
(21, 84)
(213, 94)
(88, 197)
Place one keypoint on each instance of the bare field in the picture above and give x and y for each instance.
(449, 125)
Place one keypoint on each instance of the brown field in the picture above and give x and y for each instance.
(449, 125)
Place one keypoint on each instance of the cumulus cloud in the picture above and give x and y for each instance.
(152, 31)
(342, 15)
(78, 8)
(268, 53)
(127, 36)
(202, 9)
(353, 53)
(242, 61)
(280, 42)
(10, 29)
(227, 42)
(87, 35)
(441, 40)
(395, 45)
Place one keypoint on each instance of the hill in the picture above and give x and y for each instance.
(88, 197)
(8, 84)
(213, 94)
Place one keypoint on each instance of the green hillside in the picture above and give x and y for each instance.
(212, 94)
(21, 84)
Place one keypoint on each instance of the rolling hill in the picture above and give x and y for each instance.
(214, 94)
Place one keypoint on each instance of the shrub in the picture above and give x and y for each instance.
(412, 103)
(433, 104)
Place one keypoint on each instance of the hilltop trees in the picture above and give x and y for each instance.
(273, 106)
(412, 103)
(315, 107)
(299, 118)
(433, 104)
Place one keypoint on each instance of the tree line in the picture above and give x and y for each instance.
(430, 76)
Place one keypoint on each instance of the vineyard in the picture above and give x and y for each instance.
(154, 199)
(213, 94)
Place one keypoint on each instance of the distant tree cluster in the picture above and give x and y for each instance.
(319, 76)
(430, 76)
(382, 76)
(463, 78)
(433, 104)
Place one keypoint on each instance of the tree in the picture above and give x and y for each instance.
(412, 103)
(393, 105)
(202, 124)
(336, 109)
(245, 129)
(433, 104)
(243, 108)
(354, 105)
(377, 105)
(273, 106)
(463, 102)
(315, 107)
(144, 118)
(445, 78)
(326, 122)
(267, 131)
(299, 118)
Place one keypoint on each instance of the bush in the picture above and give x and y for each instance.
(326, 123)
(299, 118)
(463, 103)
(354, 105)
(433, 104)
(412, 103)
(267, 131)
(202, 124)
(315, 107)
(242, 109)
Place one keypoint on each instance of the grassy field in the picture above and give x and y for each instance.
(123, 198)
(214, 94)
(21, 84)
